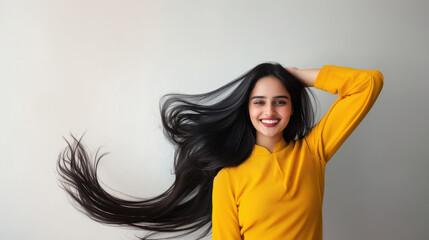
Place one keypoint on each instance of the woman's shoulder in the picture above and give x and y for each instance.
(239, 171)
(228, 170)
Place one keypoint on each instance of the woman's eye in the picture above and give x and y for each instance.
(258, 102)
(280, 102)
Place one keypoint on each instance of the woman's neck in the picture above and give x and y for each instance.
(268, 142)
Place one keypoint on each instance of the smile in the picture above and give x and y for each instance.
(270, 122)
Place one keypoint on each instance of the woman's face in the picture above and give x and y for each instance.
(270, 108)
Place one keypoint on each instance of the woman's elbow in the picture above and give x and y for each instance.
(377, 80)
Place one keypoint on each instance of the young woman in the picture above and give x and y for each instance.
(247, 159)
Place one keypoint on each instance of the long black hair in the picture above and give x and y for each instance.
(210, 131)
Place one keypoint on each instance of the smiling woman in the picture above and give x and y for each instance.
(248, 164)
(270, 109)
(277, 193)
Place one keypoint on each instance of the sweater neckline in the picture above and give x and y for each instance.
(279, 146)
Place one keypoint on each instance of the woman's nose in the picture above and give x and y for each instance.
(269, 109)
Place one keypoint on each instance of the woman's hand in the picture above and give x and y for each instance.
(291, 69)
(306, 76)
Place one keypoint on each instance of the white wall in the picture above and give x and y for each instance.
(101, 66)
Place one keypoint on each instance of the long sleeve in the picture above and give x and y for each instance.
(224, 214)
(357, 90)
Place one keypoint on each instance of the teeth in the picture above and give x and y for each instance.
(270, 121)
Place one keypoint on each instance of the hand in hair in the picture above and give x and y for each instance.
(306, 76)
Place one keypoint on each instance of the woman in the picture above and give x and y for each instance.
(248, 159)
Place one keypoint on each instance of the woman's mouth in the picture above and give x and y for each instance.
(269, 122)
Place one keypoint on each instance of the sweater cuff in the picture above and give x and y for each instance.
(321, 83)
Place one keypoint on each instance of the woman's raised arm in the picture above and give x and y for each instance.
(357, 89)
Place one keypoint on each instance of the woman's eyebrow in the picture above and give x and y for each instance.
(275, 97)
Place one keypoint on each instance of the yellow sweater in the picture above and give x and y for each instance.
(279, 195)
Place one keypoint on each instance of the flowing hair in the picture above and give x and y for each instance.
(209, 131)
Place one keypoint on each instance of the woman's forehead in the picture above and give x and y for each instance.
(269, 86)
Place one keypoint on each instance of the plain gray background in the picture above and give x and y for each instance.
(101, 67)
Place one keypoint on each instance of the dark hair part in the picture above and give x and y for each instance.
(210, 131)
